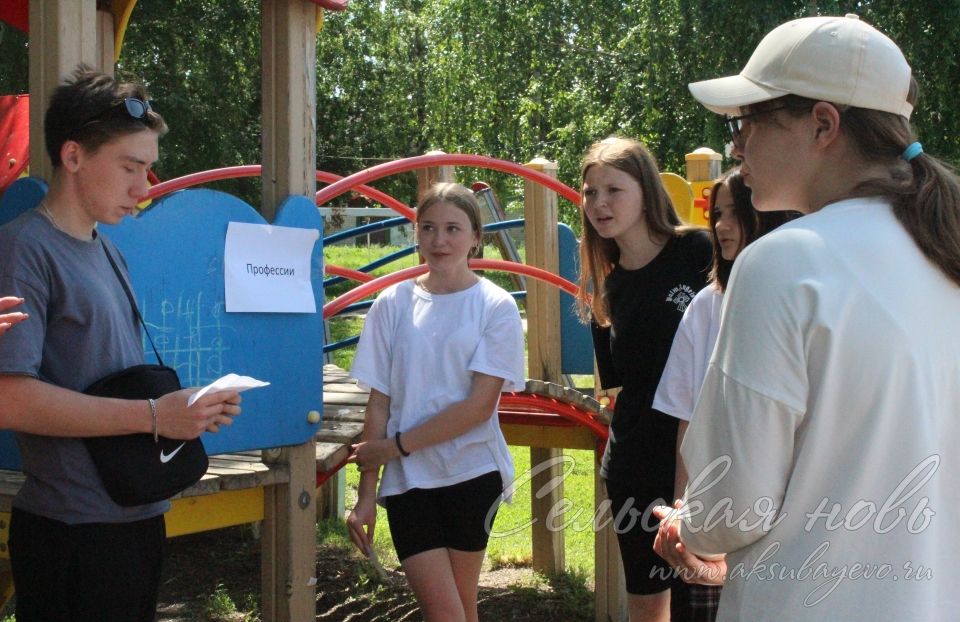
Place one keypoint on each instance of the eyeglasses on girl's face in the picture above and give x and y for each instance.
(136, 108)
(735, 124)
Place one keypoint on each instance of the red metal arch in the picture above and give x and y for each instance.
(347, 273)
(540, 406)
(254, 170)
(445, 159)
(338, 304)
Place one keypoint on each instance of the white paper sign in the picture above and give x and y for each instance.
(266, 269)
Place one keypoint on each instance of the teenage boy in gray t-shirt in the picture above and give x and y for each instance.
(75, 554)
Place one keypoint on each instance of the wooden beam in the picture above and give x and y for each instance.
(289, 83)
(289, 542)
(543, 345)
(208, 512)
(545, 436)
(426, 177)
(63, 33)
(289, 101)
(610, 592)
(105, 42)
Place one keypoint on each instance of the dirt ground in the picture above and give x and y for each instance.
(215, 577)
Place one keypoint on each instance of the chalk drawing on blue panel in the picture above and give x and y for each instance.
(189, 334)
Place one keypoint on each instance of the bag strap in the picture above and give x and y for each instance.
(133, 303)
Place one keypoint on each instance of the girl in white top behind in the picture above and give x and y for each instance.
(735, 224)
(436, 354)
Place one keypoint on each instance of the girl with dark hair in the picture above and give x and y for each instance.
(641, 269)
(827, 422)
(436, 354)
(735, 224)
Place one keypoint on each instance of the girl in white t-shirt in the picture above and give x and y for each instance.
(436, 353)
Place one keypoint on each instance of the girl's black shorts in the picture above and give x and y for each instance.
(453, 517)
(636, 528)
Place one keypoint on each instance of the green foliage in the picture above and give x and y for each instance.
(200, 61)
(219, 605)
(511, 79)
(333, 531)
(13, 70)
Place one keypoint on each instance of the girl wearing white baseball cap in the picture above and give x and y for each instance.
(822, 453)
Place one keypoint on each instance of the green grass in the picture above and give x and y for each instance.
(354, 257)
(219, 605)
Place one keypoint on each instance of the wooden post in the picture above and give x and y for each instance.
(289, 101)
(63, 34)
(543, 345)
(288, 542)
(105, 42)
(609, 587)
(288, 563)
(610, 592)
(426, 177)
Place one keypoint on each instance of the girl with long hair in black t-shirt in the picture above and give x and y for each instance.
(641, 268)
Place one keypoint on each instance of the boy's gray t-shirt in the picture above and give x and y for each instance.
(81, 328)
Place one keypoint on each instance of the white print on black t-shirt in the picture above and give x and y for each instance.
(681, 295)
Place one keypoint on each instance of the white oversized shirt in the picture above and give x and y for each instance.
(831, 408)
(421, 350)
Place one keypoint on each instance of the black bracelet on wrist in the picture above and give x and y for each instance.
(403, 452)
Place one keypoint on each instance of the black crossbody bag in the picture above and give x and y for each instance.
(135, 469)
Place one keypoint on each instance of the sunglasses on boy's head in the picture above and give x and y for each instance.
(136, 108)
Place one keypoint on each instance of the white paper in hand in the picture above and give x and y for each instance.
(230, 381)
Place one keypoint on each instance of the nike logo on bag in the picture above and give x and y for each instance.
(165, 458)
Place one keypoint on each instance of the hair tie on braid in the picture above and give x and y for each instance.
(913, 150)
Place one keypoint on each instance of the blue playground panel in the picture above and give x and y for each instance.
(174, 252)
(576, 342)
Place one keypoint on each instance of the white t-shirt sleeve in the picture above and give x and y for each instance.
(500, 352)
(677, 392)
(692, 345)
(371, 363)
